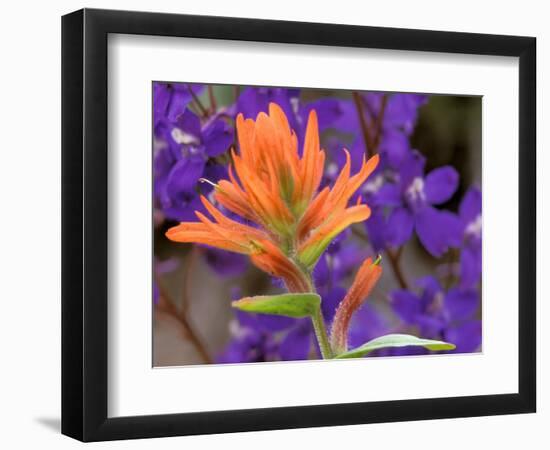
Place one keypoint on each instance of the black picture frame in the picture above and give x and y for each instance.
(84, 224)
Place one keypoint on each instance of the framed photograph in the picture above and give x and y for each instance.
(274, 225)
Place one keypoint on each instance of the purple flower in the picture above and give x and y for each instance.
(469, 214)
(399, 114)
(254, 100)
(185, 150)
(440, 314)
(411, 197)
(171, 99)
(367, 324)
(184, 155)
(253, 338)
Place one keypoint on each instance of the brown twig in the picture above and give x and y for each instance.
(371, 148)
(167, 306)
(197, 102)
(369, 144)
(394, 258)
(212, 99)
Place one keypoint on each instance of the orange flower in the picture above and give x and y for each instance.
(365, 280)
(272, 186)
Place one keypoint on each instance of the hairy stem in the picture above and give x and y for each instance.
(321, 334)
(318, 321)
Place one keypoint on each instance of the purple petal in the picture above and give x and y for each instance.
(251, 346)
(470, 266)
(460, 305)
(395, 146)
(183, 207)
(217, 138)
(264, 322)
(346, 260)
(430, 286)
(412, 167)
(348, 122)
(402, 111)
(296, 344)
(331, 301)
(190, 124)
(226, 264)
(470, 206)
(437, 230)
(162, 163)
(328, 111)
(388, 195)
(171, 99)
(376, 230)
(184, 176)
(399, 228)
(440, 185)
(431, 325)
(466, 337)
(321, 272)
(406, 305)
(367, 323)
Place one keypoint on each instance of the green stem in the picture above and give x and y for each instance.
(318, 321)
(321, 334)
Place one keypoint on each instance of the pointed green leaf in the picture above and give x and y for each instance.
(395, 340)
(290, 305)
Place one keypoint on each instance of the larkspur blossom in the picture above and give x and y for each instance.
(469, 214)
(440, 313)
(186, 148)
(411, 198)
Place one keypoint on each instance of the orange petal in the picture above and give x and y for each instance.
(365, 280)
(314, 215)
(272, 260)
(309, 162)
(195, 232)
(310, 250)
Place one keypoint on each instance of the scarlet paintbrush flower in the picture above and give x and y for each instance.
(365, 280)
(276, 189)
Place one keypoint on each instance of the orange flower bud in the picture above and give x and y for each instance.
(365, 280)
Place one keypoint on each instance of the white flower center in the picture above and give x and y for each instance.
(474, 227)
(416, 189)
(374, 185)
(181, 137)
(237, 331)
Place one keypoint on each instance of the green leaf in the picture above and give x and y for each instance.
(290, 305)
(395, 340)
